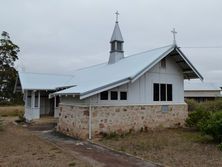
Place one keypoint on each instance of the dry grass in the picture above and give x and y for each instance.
(8, 111)
(172, 147)
(19, 147)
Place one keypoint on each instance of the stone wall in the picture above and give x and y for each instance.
(73, 120)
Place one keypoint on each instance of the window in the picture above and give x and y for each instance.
(104, 95)
(114, 95)
(57, 101)
(123, 95)
(163, 63)
(36, 99)
(169, 92)
(119, 46)
(112, 46)
(156, 92)
(162, 92)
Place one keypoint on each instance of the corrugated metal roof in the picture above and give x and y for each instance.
(104, 75)
(38, 81)
(99, 77)
(116, 36)
(201, 86)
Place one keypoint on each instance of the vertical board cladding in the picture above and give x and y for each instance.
(73, 120)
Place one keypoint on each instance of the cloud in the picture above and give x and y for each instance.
(61, 36)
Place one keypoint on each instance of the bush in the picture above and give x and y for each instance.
(211, 105)
(192, 104)
(212, 126)
(195, 117)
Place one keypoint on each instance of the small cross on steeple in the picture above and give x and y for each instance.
(174, 36)
(117, 15)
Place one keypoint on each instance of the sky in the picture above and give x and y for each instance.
(60, 36)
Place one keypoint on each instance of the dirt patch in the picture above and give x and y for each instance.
(94, 154)
(21, 147)
(172, 147)
(36, 144)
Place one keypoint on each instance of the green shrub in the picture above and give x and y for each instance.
(212, 126)
(192, 104)
(197, 116)
(211, 105)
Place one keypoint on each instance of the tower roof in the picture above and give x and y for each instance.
(116, 36)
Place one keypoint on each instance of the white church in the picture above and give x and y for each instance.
(126, 93)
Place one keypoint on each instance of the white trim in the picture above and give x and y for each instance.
(39, 97)
(150, 66)
(159, 103)
(104, 89)
(189, 64)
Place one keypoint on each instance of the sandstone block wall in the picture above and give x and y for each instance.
(74, 120)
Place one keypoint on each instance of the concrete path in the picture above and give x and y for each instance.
(94, 154)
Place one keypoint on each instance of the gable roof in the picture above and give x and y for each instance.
(95, 79)
(201, 86)
(92, 80)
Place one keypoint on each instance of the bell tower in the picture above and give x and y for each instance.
(116, 43)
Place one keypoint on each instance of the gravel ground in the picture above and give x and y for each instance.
(21, 147)
(37, 144)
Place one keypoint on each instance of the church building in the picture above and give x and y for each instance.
(127, 93)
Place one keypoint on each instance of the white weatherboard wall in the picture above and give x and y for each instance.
(31, 112)
(141, 91)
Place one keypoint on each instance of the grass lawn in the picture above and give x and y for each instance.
(171, 147)
(7, 111)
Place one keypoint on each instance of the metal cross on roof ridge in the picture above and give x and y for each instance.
(117, 15)
(174, 35)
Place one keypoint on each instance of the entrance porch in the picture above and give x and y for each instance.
(38, 104)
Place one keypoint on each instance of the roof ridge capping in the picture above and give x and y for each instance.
(150, 50)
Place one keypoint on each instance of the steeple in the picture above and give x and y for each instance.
(116, 42)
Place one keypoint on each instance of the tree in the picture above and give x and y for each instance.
(8, 56)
